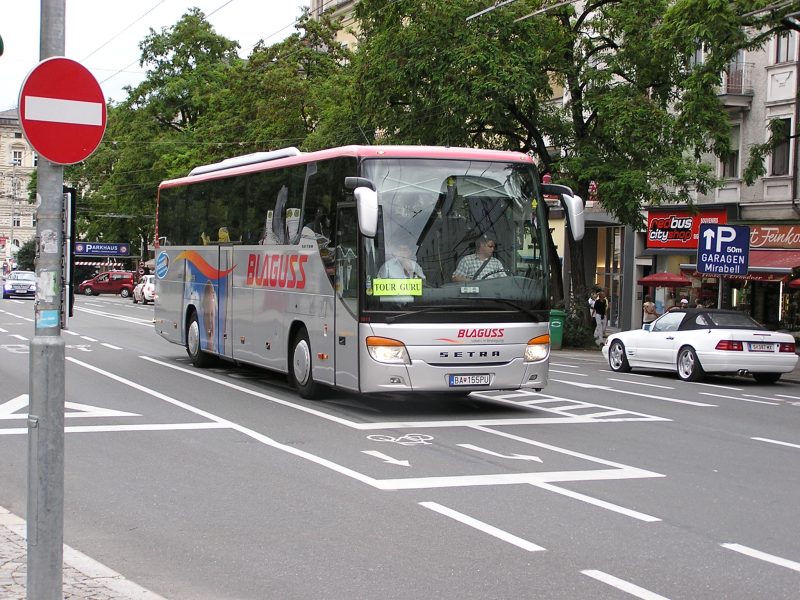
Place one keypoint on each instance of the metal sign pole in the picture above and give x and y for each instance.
(47, 363)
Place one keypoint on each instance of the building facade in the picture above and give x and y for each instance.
(17, 163)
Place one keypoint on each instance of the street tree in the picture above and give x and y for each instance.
(605, 92)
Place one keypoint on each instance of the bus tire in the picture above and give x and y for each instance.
(301, 367)
(199, 358)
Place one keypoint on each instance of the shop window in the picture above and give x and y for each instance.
(780, 154)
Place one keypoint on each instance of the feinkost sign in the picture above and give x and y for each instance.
(679, 228)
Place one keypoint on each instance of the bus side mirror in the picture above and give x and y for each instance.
(367, 207)
(573, 206)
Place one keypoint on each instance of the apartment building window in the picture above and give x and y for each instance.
(697, 58)
(35, 160)
(16, 220)
(730, 163)
(16, 158)
(780, 154)
(18, 135)
(784, 47)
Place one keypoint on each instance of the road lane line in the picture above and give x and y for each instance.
(87, 338)
(19, 337)
(789, 397)
(738, 398)
(762, 397)
(484, 527)
(568, 373)
(112, 346)
(665, 387)
(552, 364)
(621, 584)
(597, 502)
(117, 428)
(627, 374)
(778, 442)
(770, 558)
(618, 391)
(714, 385)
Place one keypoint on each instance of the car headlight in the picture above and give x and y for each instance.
(538, 348)
(387, 350)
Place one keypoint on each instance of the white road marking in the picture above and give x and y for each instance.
(87, 338)
(665, 387)
(386, 458)
(118, 428)
(134, 320)
(621, 584)
(568, 373)
(770, 558)
(714, 385)
(68, 332)
(552, 364)
(19, 337)
(8, 410)
(3, 330)
(769, 441)
(762, 397)
(597, 502)
(484, 527)
(499, 455)
(737, 398)
(112, 346)
(627, 374)
(411, 424)
(618, 391)
(789, 397)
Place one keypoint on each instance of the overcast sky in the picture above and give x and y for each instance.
(104, 35)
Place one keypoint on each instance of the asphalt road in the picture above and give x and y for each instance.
(224, 484)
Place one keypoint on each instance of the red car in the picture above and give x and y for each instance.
(109, 282)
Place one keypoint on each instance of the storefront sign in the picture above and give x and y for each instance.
(775, 236)
(679, 228)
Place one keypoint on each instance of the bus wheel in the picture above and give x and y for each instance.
(300, 370)
(199, 358)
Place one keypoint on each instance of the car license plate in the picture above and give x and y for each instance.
(757, 347)
(480, 379)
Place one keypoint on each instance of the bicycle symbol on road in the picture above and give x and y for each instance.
(409, 439)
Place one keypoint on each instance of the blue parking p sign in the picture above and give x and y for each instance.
(723, 249)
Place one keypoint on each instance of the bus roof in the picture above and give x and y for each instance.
(255, 164)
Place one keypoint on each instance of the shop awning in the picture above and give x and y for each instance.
(97, 263)
(774, 260)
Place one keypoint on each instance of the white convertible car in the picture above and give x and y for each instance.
(696, 341)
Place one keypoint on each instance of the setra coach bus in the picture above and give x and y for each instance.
(365, 268)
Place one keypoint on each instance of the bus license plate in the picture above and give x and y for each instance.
(754, 347)
(481, 379)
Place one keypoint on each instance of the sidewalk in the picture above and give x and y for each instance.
(83, 577)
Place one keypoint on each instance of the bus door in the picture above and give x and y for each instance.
(346, 289)
(225, 298)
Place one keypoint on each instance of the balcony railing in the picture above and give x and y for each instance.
(738, 79)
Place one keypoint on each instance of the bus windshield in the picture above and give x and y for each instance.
(456, 234)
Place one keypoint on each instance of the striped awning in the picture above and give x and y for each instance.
(97, 263)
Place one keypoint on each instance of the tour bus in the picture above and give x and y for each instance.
(364, 268)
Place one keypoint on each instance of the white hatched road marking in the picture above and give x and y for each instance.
(618, 391)
(484, 527)
(569, 373)
(597, 502)
(665, 387)
(621, 584)
(770, 558)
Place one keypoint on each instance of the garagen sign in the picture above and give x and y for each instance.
(679, 228)
(101, 249)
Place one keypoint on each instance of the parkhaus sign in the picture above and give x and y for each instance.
(101, 249)
(680, 228)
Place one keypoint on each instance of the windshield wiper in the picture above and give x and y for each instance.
(537, 315)
(419, 311)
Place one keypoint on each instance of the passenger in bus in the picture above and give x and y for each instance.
(480, 265)
(401, 265)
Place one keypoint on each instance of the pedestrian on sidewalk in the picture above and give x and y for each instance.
(600, 317)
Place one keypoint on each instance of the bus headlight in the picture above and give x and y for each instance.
(537, 348)
(387, 350)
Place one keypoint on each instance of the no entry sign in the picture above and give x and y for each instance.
(62, 110)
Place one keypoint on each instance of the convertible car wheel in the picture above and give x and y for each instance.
(689, 367)
(617, 359)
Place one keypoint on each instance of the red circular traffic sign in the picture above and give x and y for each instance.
(62, 110)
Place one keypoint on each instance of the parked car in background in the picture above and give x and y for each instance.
(109, 282)
(145, 290)
(20, 283)
(696, 341)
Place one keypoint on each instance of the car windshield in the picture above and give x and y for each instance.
(453, 233)
(23, 275)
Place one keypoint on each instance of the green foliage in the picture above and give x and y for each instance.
(577, 333)
(26, 257)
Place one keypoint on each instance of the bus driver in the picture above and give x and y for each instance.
(480, 265)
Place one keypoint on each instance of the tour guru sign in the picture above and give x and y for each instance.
(62, 111)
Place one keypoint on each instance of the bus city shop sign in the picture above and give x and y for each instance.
(723, 249)
(679, 228)
(101, 249)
